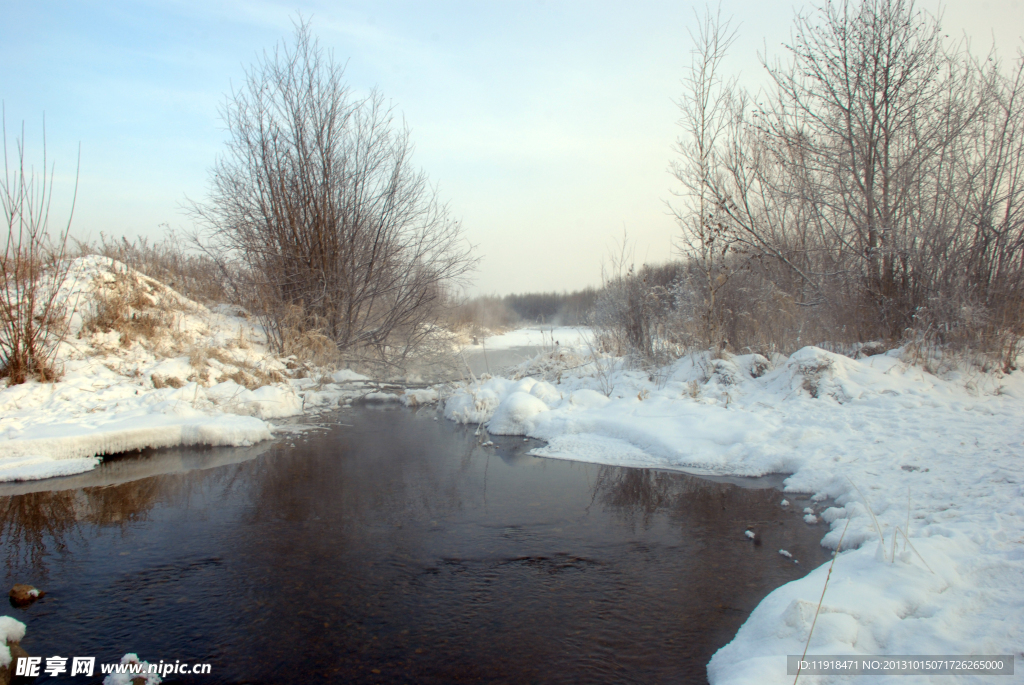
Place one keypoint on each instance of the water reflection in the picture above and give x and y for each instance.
(38, 518)
(35, 525)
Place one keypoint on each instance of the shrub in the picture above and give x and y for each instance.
(33, 313)
(317, 202)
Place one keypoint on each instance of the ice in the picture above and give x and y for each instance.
(41, 466)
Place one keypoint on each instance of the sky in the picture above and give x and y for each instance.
(548, 127)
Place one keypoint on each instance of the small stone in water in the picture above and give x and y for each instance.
(22, 595)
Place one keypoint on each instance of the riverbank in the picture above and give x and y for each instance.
(922, 472)
(144, 367)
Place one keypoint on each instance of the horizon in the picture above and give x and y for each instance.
(548, 128)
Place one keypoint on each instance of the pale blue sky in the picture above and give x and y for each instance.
(548, 126)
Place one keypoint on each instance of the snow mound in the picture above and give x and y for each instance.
(421, 396)
(11, 630)
(546, 393)
(143, 675)
(268, 402)
(348, 376)
(825, 375)
(477, 402)
(515, 414)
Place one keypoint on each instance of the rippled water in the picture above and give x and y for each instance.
(392, 547)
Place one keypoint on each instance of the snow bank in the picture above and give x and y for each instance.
(958, 597)
(515, 414)
(11, 630)
(871, 439)
(268, 402)
(417, 397)
(190, 376)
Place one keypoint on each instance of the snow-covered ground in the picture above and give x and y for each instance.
(539, 337)
(881, 444)
(145, 367)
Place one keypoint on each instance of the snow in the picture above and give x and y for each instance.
(415, 397)
(544, 337)
(888, 450)
(195, 376)
(131, 678)
(347, 375)
(514, 416)
(11, 630)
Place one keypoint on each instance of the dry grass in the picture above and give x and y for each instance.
(197, 277)
(813, 374)
(306, 341)
(247, 374)
(166, 381)
(131, 305)
(253, 377)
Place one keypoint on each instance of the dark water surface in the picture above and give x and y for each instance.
(393, 548)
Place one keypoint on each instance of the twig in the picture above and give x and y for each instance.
(820, 600)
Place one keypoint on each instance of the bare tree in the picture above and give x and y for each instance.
(706, 109)
(33, 313)
(317, 197)
(865, 116)
(878, 182)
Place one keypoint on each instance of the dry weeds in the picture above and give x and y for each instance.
(131, 305)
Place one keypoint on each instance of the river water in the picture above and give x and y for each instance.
(392, 547)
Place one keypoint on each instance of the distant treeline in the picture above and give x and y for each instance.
(492, 311)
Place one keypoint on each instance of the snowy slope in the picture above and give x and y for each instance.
(143, 367)
(939, 458)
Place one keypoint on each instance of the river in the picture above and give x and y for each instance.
(391, 546)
